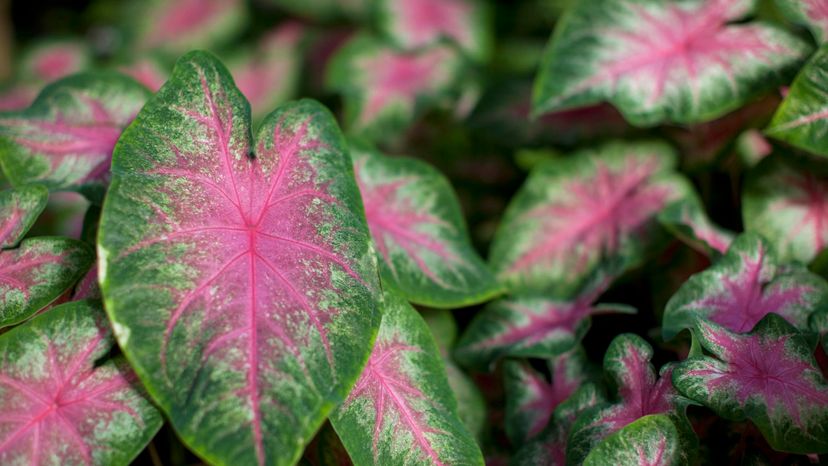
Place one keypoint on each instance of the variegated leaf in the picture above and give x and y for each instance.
(812, 13)
(181, 25)
(650, 441)
(19, 208)
(689, 222)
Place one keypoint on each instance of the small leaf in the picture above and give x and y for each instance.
(802, 119)
(37, 273)
(689, 222)
(238, 273)
(580, 214)
(384, 90)
(657, 61)
(743, 287)
(531, 399)
(419, 232)
(812, 13)
(63, 400)
(401, 410)
(414, 24)
(650, 441)
(768, 376)
(65, 139)
(19, 208)
(178, 26)
(787, 203)
(640, 393)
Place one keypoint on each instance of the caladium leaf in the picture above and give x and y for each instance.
(577, 215)
(531, 399)
(419, 232)
(812, 13)
(413, 24)
(63, 400)
(401, 410)
(785, 202)
(52, 60)
(384, 90)
(768, 376)
(530, 326)
(678, 61)
(802, 119)
(650, 441)
(37, 273)
(178, 26)
(640, 393)
(148, 70)
(743, 287)
(238, 274)
(19, 209)
(689, 222)
(64, 140)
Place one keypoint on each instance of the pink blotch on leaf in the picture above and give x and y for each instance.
(817, 11)
(183, 17)
(424, 21)
(547, 396)
(810, 195)
(56, 63)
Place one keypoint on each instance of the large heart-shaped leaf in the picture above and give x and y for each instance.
(181, 25)
(19, 208)
(419, 232)
(531, 399)
(768, 376)
(37, 273)
(384, 89)
(802, 119)
(812, 13)
(401, 411)
(650, 441)
(640, 393)
(65, 139)
(413, 24)
(63, 399)
(663, 60)
(579, 214)
(239, 275)
(743, 287)
(785, 202)
(689, 222)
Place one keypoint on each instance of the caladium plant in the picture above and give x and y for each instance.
(812, 13)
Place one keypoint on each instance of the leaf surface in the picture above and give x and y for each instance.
(19, 208)
(689, 222)
(768, 376)
(238, 273)
(63, 399)
(176, 27)
(419, 232)
(64, 140)
(657, 61)
(402, 411)
(649, 441)
(812, 13)
(580, 214)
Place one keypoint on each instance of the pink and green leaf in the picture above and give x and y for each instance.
(802, 119)
(178, 26)
(413, 24)
(768, 376)
(63, 400)
(38, 272)
(787, 203)
(50, 61)
(578, 215)
(688, 221)
(65, 139)
(19, 208)
(384, 90)
(744, 286)
(531, 398)
(401, 410)
(640, 393)
(663, 61)
(653, 440)
(419, 232)
(148, 70)
(811, 13)
(238, 272)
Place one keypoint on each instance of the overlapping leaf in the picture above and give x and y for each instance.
(650, 441)
(812, 13)
(578, 215)
(384, 90)
(19, 209)
(238, 273)
(413, 24)
(787, 203)
(63, 399)
(531, 399)
(768, 376)
(401, 410)
(689, 222)
(640, 393)
(65, 139)
(178, 26)
(743, 287)
(679, 61)
(802, 119)
(419, 232)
